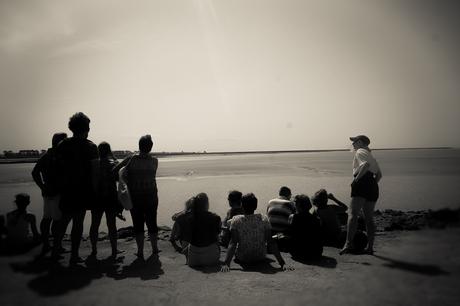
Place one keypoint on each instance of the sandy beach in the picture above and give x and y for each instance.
(410, 267)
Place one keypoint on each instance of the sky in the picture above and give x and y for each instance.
(231, 75)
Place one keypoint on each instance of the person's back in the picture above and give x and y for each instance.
(305, 233)
(204, 228)
(141, 174)
(106, 189)
(278, 212)
(252, 232)
(47, 167)
(330, 224)
(75, 156)
(17, 225)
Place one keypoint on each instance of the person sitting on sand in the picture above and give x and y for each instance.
(279, 210)
(179, 234)
(45, 175)
(3, 233)
(203, 227)
(76, 156)
(251, 234)
(305, 241)
(234, 201)
(329, 216)
(19, 224)
(106, 198)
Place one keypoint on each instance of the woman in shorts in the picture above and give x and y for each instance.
(364, 192)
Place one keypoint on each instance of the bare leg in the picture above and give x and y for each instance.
(368, 210)
(140, 245)
(154, 242)
(45, 231)
(112, 226)
(355, 207)
(96, 216)
(75, 235)
(61, 228)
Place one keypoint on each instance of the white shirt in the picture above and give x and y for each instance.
(362, 156)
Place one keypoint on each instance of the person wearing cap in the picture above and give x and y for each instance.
(45, 175)
(364, 192)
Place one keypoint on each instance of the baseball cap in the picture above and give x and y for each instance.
(363, 138)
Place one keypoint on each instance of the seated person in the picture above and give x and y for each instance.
(234, 201)
(251, 234)
(203, 228)
(3, 233)
(19, 223)
(178, 233)
(305, 240)
(332, 221)
(279, 210)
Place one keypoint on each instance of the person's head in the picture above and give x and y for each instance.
(189, 204)
(234, 198)
(320, 198)
(360, 141)
(249, 203)
(79, 125)
(57, 138)
(145, 144)
(104, 150)
(285, 192)
(302, 203)
(201, 203)
(22, 200)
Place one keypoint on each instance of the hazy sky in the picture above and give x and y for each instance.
(231, 75)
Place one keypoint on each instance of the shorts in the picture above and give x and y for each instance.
(144, 211)
(366, 187)
(51, 207)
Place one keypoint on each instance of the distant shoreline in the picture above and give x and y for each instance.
(26, 160)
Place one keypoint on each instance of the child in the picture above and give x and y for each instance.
(234, 201)
(18, 223)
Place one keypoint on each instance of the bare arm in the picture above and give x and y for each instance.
(231, 251)
(274, 247)
(337, 201)
(33, 226)
(175, 232)
(36, 175)
(361, 171)
(378, 176)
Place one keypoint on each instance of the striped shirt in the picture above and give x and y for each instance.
(278, 212)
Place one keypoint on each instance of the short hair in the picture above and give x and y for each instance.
(249, 203)
(201, 202)
(285, 191)
(22, 200)
(145, 144)
(79, 123)
(234, 196)
(320, 198)
(57, 138)
(302, 201)
(104, 150)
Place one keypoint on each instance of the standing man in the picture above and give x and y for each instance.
(364, 192)
(45, 175)
(76, 157)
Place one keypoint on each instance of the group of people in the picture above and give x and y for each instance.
(75, 176)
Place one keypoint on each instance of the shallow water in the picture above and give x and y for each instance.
(413, 179)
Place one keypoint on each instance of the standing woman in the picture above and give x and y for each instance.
(364, 192)
(106, 198)
(140, 176)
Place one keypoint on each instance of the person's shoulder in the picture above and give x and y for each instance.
(237, 219)
(30, 217)
(213, 215)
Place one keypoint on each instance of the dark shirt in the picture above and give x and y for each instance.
(141, 174)
(47, 167)
(75, 156)
(106, 186)
(234, 211)
(305, 232)
(203, 228)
